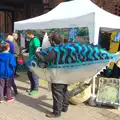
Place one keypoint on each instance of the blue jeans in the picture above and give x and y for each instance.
(33, 80)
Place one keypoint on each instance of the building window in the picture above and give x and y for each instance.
(117, 9)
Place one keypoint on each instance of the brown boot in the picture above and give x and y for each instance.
(52, 115)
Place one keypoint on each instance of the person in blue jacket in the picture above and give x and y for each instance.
(7, 66)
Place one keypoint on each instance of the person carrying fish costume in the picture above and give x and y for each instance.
(63, 63)
(59, 91)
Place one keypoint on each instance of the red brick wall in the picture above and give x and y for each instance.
(112, 6)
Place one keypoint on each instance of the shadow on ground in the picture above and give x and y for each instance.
(40, 104)
(25, 89)
(37, 104)
(23, 78)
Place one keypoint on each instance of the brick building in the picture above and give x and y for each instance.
(112, 6)
(16, 10)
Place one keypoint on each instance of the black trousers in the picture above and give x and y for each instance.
(60, 98)
(5, 88)
(16, 65)
(14, 86)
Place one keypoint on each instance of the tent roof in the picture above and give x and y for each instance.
(71, 14)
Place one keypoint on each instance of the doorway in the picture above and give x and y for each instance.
(6, 23)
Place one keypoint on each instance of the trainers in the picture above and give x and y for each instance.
(5, 97)
(28, 91)
(33, 92)
(52, 115)
(10, 99)
(16, 93)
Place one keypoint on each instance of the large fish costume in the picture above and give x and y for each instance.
(72, 62)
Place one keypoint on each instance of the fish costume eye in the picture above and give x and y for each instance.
(33, 64)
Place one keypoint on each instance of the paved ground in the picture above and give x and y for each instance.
(27, 107)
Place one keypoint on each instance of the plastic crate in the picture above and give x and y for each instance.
(108, 92)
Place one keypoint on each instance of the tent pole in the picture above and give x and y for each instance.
(94, 34)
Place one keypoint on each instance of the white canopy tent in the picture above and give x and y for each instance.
(77, 13)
